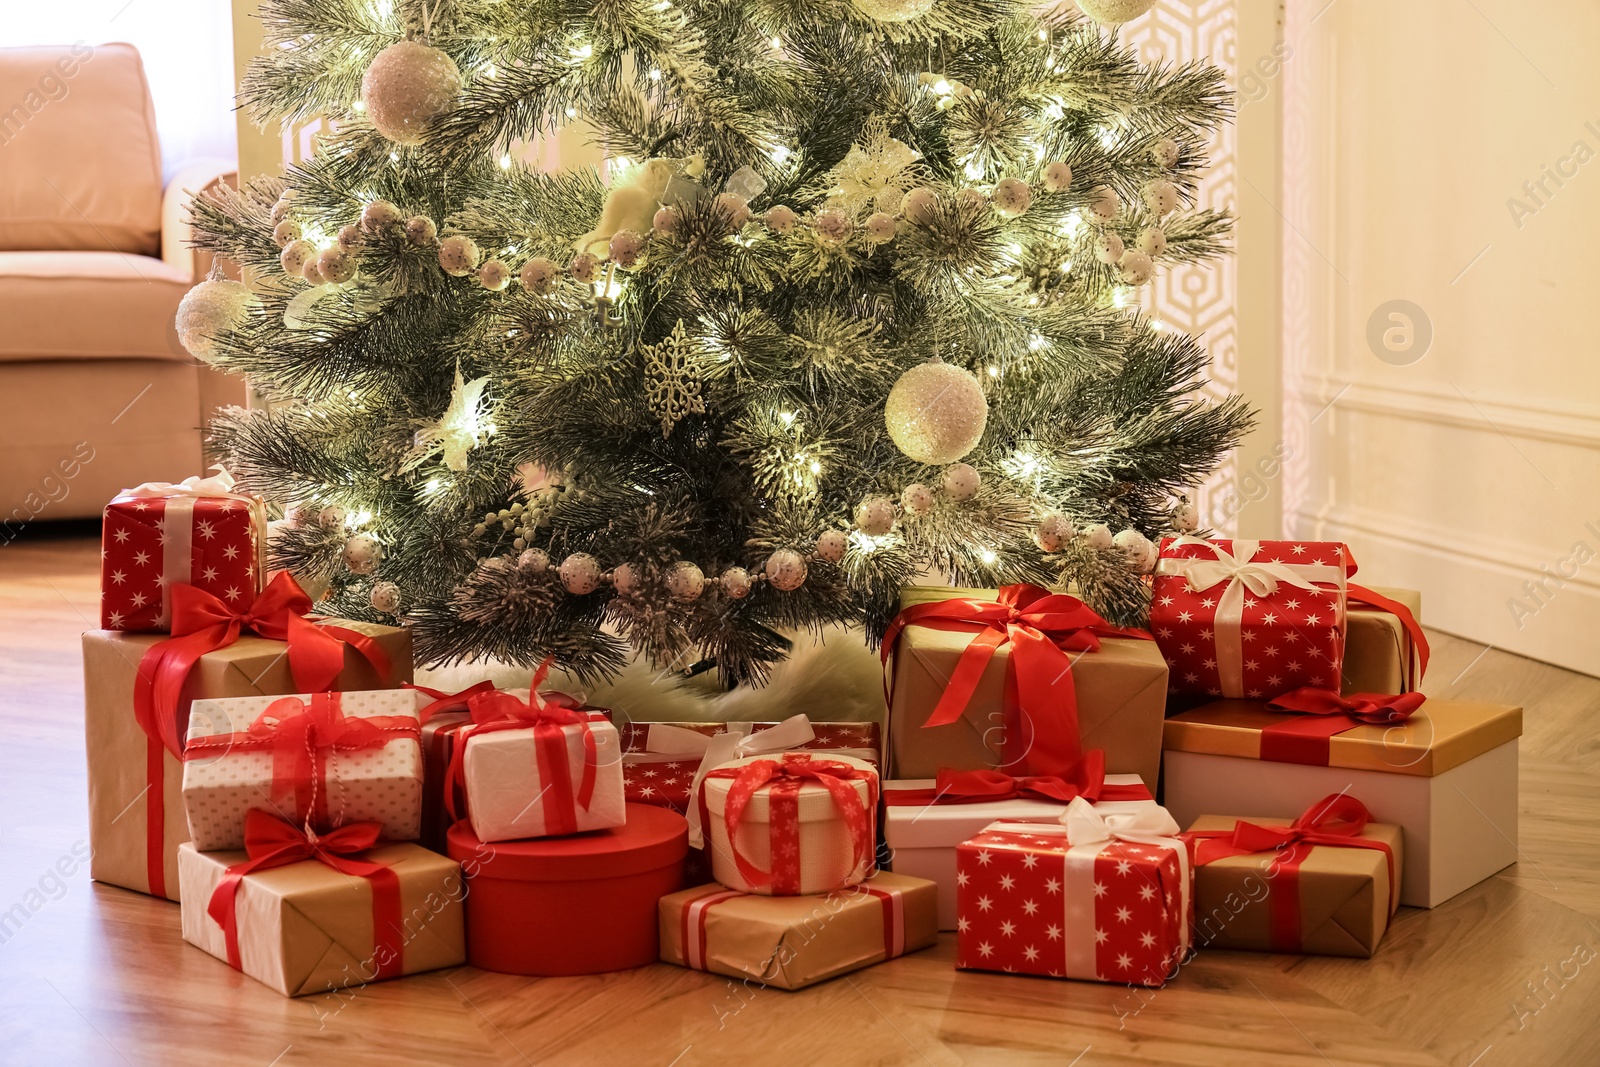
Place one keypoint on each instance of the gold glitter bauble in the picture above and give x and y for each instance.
(936, 413)
(1113, 12)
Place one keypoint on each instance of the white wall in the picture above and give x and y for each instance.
(187, 47)
(1473, 468)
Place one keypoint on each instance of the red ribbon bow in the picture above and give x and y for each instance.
(547, 715)
(447, 702)
(302, 736)
(1319, 715)
(271, 842)
(786, 775)
(1087, 779)
(1336, 821)
(202, 624)
(1040, 628)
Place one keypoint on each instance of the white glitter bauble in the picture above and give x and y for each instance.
(336, 265)
(421, 231)
(786, 570)
(735, 582)
(294, 255)
(380, 216)
(919, 205)
(961, 481)
(1108, 248)
(780, 219)
(330, 516)
(1165, 152)
(361, 554)
(971, 196)
(212, 308)
(580, 573)
(1114, 12)
(880, 227)
(735, 207)
(1011, 196)
(310, 271)
(625, 579)
(685, 581)
(875, 516)
(917, 499)
(625, 248)
(534, 560)
(286, 231)
(1053, 531)
(1136, 267)
(584, 267)
(349, 236)
(1186, 517)
(280, 207)
(538, 275)
(1160, 196)
(936, 413)
(408, 85)
(385, 597)
(831, 545)
(494, 275)
(1057, 177)
(458, 255)
(893, 10)
(1104, 203)
(1133, 545)
(666, 221)
(1152, 241)
(1098, 536)
(833, 226)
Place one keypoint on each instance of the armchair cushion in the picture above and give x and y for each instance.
(89, 305)
(82, 165)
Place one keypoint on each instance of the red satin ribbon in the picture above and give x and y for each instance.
(202, 624)
(272, 842)
(1335, 821)
(1087, 780)
(1360, 594)
(1042, 734)
(1319, 715)
(784, 776)
(301, 737)
(548, 716)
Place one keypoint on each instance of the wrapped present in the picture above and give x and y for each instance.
(924, 820)
(1105, 896)
(320, 760)
(1444, 771)
(1385, 650)
(1325, 884)
(794, 942)
(584, 904)
(1250, 618)
(791, 824)
(1020, 680)
(137, 689)
(158, 536)
(536, 764)
(442, 721)
(319, 914)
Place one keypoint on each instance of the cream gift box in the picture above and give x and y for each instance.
(528, 781)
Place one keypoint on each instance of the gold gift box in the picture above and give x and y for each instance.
(1378, 653)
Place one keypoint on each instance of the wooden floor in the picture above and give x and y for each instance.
(1507, 973)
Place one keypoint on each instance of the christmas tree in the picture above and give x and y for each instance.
(856, 300)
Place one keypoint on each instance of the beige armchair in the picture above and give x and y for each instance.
(96, 393)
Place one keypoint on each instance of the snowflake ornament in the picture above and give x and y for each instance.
(672, 385)
(458, 431)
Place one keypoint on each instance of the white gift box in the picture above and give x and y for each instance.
(922, 837)
(516, 791)
(228, 771)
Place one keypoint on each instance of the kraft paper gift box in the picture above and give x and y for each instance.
(923, 825)
(1380, 655)
(159, 535)
(364, 763)
(136, 814)
(1120, 691)
(1447, 776)
(1322, 899)
(306, 928)
(526, 782)
(794, 942)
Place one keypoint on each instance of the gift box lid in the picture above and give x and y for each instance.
(813, 803)
(1439, 735)
(1329, 553)
(652, 838)
(926, 825)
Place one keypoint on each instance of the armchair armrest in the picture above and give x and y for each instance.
(185, 185)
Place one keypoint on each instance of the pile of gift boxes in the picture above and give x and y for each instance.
(1070, 799)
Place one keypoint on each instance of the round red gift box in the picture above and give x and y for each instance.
(581, 904)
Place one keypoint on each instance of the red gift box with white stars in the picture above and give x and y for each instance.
(151, 542)
(1117, 911)
(1255, 619)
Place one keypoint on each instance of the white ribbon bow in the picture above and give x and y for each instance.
(721, 748)
(219, 484)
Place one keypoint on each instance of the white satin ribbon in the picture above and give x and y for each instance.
(219, 484)
(725, 747)
(177, 526)
(1242, 571)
